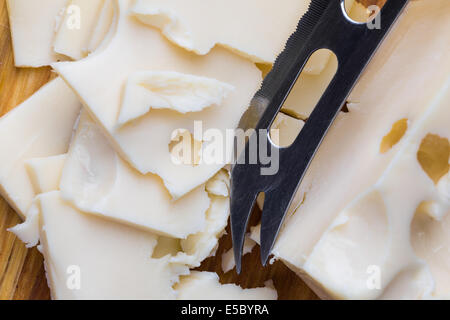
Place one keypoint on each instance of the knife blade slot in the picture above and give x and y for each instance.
(304, 96)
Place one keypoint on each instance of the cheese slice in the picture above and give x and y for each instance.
(40, 127)
(199, 26)
(349, 159)
(45, 173)
(375, 229)
(77, 25)
(206, 286)
(33, 25)
(169, 90)
(96, 180)
(144, 143)
(89, 258)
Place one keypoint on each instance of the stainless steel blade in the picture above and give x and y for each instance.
(325, 25)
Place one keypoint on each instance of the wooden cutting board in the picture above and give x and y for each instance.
(22, 274)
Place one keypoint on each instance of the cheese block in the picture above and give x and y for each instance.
(353, 155)
(169, 90)
(89, 258)
(40, 127)
(96, 180)
(45, 173)
(206, 286)
(77, 25)
(397, 225)
(33, 25)
(144, 142)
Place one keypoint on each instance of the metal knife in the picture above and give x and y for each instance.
(325, 25)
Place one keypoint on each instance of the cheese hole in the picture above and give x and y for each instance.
(397, 132)
(433, 156)
(184, 149)
(166, 246)
(363, 11)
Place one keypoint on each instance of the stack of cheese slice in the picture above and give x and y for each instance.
(94, 172)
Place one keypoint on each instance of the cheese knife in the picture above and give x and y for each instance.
(325, 25)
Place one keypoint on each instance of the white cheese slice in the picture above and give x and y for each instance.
(45, 173)
(96, 180)
(40, 127)
(375, 230)
(169, 90)
(77, 25)
(206, 286)
(89, 258)
(144, 142)
(198, 26)
(349, 159)
(33, 25)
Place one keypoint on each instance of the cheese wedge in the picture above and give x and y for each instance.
(33, 25)
(350, 159)
(89, 258)
(376, 230)
(96, 180)
(144, 143)
(40, 127)
(206, 286)
(77, 25)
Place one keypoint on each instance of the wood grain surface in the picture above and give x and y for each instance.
(22, 274)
